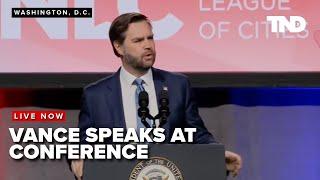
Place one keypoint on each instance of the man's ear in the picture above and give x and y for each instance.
(118, 47)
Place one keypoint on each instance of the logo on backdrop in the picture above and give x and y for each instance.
(294, 25)
(156, 168)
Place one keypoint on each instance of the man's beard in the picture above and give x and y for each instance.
(135, 63)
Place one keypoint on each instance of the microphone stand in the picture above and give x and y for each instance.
(162, 121)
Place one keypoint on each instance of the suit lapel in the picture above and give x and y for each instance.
(114, 98)
(159, 82)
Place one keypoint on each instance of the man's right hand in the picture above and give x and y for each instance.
(77, 168)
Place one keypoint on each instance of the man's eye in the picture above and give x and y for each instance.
(137, 40)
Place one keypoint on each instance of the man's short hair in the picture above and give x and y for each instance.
(120, 25)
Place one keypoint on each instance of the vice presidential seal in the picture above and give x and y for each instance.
(156, 168)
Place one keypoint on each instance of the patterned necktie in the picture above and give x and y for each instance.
(139, 83)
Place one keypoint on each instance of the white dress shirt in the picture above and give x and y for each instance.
(128, 91)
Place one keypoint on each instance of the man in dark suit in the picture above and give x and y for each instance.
(112, 102)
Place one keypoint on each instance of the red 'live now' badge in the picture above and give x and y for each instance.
(38, 116)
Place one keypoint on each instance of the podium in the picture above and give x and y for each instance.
(166, 162)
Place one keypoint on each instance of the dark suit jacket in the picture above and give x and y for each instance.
(102, 105)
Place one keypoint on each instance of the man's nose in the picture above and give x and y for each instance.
(147, 44)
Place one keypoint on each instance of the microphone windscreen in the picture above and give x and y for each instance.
(164, 98)
(143, 99)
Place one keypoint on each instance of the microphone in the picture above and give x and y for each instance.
(143, 110)
(143, 99)
(164, 111)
